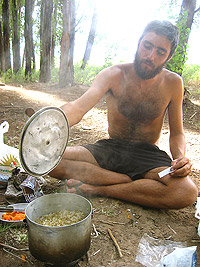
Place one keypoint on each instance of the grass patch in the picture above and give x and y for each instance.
(4, 228)
(191, 75)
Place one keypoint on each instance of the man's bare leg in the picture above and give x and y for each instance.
(79, 163)
(168, 192)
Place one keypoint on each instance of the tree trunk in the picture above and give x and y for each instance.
(54, 26)
(2, 65)
(27, 34)
(32, 43)
(45, 56)
(184, 23)
(6, 33)
(66, 76)
(186, 18)
(90, 40)
(15, 38)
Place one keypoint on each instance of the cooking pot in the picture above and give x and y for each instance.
(59, 245)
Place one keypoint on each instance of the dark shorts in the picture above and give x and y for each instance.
(132, 159)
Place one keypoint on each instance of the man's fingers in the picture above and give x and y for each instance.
(29, 112)
(183, 170)
(179, 163)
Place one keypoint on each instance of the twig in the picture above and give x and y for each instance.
(111, 223)
(195, 240)
(93, 254)
(115, 242)
(16, 249)
(193, 115)
(95, 230)
(126, 251)
(16, 255)
(74, 139)
(172, 229)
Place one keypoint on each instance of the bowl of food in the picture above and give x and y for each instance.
(13, 214)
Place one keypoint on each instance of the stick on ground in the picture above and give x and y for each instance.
(115, 242)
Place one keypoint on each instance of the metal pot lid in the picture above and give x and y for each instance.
(43, 141)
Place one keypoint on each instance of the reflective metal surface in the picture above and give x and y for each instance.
(43, 141)
(59, 245)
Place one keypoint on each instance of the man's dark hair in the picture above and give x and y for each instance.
(164, 28)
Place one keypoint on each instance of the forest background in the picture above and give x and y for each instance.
(68, 41)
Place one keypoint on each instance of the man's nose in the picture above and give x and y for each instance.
(152, 54)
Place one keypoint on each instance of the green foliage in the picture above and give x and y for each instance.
(191, 75)
(108, 62)
(177, 62)
(4, 228)
(19, 77)
(55, 75)
(87, 75)
(6, 76)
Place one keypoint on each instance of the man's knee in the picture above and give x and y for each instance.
(79, 153)
(184, 193)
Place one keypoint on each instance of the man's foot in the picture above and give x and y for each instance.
(78, 187)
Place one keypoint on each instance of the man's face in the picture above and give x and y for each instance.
(151, 55)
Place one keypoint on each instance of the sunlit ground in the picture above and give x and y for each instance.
(35, 96)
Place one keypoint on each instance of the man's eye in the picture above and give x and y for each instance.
(160, 52)
(148, 46)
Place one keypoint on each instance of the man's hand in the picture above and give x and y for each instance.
(181, 166)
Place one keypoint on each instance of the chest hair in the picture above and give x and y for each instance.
(140, 110)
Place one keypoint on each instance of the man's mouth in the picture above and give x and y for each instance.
(148, 63)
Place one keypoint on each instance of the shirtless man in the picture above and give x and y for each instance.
(138, 94)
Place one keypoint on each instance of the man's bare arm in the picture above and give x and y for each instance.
(75, 110)
(177, 137)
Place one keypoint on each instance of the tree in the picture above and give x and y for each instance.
(90, 40)
(184, 22)
(2, 65)
(15, 37)
(6, 33)
(54, 25)
(32, 41)
(45, 39)
(66, 75)
(28, 36)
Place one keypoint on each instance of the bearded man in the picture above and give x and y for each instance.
(127, 166)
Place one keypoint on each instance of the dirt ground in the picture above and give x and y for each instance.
(127, 222)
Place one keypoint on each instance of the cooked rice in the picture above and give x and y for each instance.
(61, 218)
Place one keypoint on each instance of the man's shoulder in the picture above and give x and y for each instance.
(173, 81)
(123, 67)
(172, 76)
(119, 70)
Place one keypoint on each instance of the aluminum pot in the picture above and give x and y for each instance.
(59, 245)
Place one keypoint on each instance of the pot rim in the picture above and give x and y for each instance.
(56, 227)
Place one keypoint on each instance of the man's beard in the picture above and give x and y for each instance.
(143, 73)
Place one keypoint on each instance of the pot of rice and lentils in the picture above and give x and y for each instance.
(59, 228)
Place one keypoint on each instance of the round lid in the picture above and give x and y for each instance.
(43, 141)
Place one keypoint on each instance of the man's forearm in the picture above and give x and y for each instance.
(177, 146)
(72, 113)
